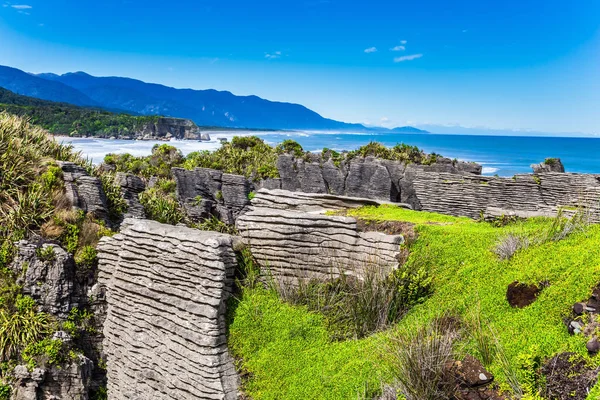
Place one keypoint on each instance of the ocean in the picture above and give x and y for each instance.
(501, 155)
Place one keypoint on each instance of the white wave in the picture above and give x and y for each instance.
(489, 170)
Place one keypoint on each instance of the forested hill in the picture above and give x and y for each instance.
(67, 119)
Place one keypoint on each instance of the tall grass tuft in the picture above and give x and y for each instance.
(418, 361)
(355, 307)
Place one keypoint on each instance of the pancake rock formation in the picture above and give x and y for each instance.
(166, 289)
(294, 245)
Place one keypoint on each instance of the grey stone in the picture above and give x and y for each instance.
(167, 128)
(131, 186)
(294, 245)
(84, 192)
(167, 289)
(51, 283)
(550, 165)
(368, 178)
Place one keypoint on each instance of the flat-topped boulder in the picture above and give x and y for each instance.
(166, 290)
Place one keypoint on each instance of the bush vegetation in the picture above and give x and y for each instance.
(287, 351)
(66, 119)
(32, 200)
(160, 202)
(251, 157)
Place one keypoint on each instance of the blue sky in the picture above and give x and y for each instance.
(524, 64)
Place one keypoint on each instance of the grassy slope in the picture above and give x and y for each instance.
(287, 353)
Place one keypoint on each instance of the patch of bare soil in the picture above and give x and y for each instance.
(568, 377)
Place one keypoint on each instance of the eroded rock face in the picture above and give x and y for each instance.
(70, 382)
(173, 128)
(296, 245)
(131, 186)
(309, 202)
(49, 280)
(470, 195)
(166, 290)
(204, 192)
(84, 192)
(550, 165)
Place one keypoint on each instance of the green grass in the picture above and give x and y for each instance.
(286, 349)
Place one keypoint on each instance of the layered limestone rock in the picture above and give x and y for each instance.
(165, 327)
(70, 382)
(83, 191)
(310, 202)
(542, 194)
(49, 280)
(365, 177)
(294, 245)
(131, 186)
(173, 128)
(204, 192)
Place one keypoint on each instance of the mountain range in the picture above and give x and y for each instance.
(205, 107)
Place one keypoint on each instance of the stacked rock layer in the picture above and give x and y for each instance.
(165, 327)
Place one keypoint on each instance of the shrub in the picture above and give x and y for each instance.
(510, 244)
(114, 198)
(249, 156)
(418, 361)
(290, 147)
(215, 224)
(160, 206)
(357, 307)
(86, 257)
(5, 391)
(46, 351)
(45, 253)
(22, 327)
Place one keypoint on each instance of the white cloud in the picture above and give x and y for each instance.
(21, 7)
(384, 119)
(403, 42)
(398, 48)
(407, 58)
(272, 56)
(371, 50)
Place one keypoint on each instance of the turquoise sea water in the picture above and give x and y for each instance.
(502, 155)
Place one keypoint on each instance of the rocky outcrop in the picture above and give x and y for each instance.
(204, 192)
(83, 191)
(70, 382)
(131, 186)
(47, 274)
(293, 245)
(310, 202)
(172, 128)
(549, 165)
(366, 177)
(470, 195)
(165, 327)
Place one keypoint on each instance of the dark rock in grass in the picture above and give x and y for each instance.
(568, 376)
(578, 308)
(470, 373)
(521, 295)
(593, 346)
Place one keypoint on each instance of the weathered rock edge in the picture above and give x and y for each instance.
(292, 245)
(164, 332)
